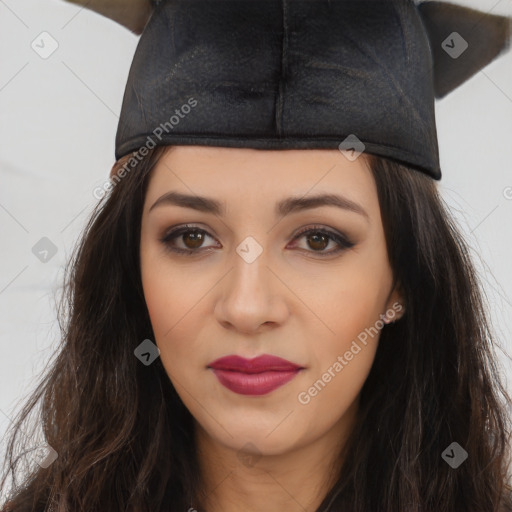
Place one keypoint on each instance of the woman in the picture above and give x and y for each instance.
(211, 359)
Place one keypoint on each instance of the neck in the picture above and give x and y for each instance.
(296, 480)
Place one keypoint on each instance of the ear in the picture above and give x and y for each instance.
(395, 307)
(463, 41)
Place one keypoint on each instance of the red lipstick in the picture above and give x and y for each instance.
(257, 376)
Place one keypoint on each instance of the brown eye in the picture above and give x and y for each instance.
(318, 241)
(193, 239)
(187, 240)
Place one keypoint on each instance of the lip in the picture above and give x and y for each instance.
(257, 376)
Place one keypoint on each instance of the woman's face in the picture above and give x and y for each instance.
(287, 258)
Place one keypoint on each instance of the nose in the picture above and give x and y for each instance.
(252, 298)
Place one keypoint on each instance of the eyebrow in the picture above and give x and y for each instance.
(283, 207)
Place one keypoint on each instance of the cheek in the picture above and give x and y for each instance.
(340, 364)
(343, 349)
(172, 299)
(348, 300)
(175, 329)
(178, 299)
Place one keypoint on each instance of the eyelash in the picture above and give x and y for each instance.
(343, 242)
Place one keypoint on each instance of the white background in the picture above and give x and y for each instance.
(58, 118)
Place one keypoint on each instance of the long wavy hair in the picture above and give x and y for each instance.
(125, 441)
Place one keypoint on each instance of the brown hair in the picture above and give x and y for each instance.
(125, 440)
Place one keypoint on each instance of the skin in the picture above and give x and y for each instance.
(132, 14)
(268, 452)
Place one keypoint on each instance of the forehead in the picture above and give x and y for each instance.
(261, 176)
